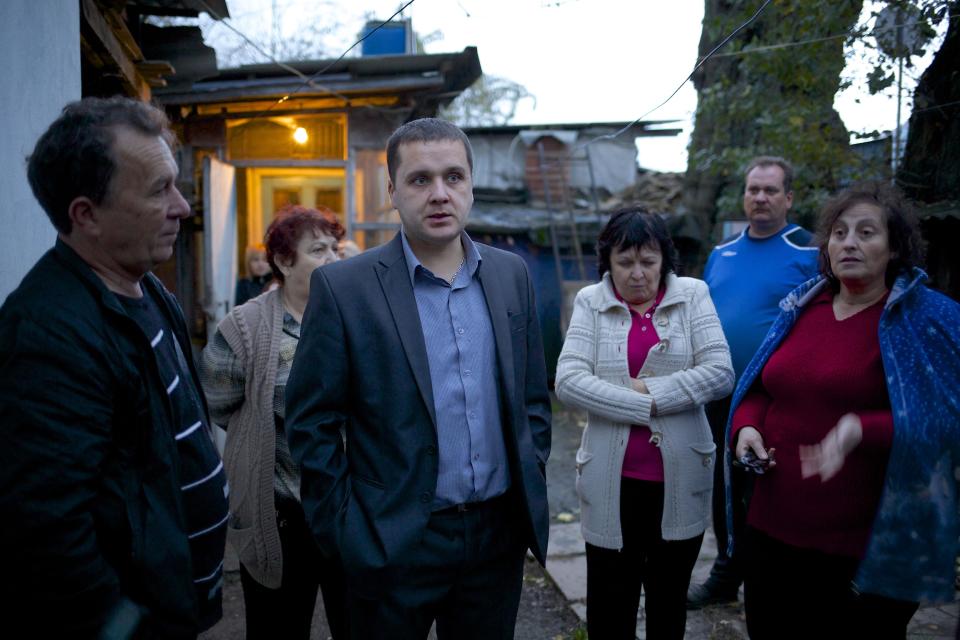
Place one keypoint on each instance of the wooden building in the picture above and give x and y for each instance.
(311, 132)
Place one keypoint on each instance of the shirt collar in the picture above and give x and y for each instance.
(656, 303)
(470, 250)
(788, 228)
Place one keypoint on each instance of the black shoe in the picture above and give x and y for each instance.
(708, 593)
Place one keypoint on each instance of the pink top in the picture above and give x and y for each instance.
(642, 459)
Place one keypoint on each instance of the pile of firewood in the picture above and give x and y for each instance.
(659, 192)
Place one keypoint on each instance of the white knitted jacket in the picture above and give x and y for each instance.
(688, 367)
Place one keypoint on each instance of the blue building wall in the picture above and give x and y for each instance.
(544, 275)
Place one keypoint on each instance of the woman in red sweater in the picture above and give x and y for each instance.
(818, 422)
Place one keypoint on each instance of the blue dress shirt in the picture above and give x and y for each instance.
(461, 352)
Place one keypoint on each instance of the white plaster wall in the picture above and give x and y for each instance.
(40, 46)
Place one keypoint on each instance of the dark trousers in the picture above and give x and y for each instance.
(660, 568)
(466, 575)
(287, 612)
(726, 573)
(790, 592)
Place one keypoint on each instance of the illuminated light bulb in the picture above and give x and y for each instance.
(300, 135)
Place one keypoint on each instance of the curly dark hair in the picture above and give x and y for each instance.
(289, 225)
(635, 227)
(74, 157)
(907, 247)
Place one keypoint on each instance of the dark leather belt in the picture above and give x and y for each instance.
(465, 507)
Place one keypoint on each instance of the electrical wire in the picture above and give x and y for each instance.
(935, 107)
(308, 81)
(612, 136)
(365, 36)
(713, 54)
(700, 63)
(261, 51)
(797, 43)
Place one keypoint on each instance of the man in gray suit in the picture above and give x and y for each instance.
(426, 353)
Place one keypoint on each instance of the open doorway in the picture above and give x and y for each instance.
(270, 188)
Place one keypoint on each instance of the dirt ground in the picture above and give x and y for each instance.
(543, 615)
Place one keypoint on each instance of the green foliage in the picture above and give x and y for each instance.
(580, 633)
(879, 79)
(490, 101)
(771, 100)
(758, 97)
(919, 20)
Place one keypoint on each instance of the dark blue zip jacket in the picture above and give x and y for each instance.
(92, 531)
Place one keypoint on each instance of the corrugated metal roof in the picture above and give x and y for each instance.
(439, 73)
(511, 218)
(643, 125)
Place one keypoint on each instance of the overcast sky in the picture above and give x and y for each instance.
(583, 60)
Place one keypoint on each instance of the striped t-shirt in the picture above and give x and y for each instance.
(203, 484)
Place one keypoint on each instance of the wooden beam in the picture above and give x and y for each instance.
(91, 54)
(296, 105)
(100, 29)
(113, 5)
(153, 71)
(155, 67)
(119, 28)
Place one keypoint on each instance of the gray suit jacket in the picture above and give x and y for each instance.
(361, 366)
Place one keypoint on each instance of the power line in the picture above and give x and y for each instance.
(261, 51)
(307, 81)
(611, 136)
(935, 107)
(700, 63)
(365, 36)
(713, 54)
(797, 43)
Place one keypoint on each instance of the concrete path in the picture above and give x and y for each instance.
(567, 564)
(567, 567)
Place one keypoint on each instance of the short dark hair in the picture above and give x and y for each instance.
(289, 225)
(635, 227)
(424, 130)
(772, 161)
(74, 157)
(903, 228)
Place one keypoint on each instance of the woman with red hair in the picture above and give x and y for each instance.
(244, 372)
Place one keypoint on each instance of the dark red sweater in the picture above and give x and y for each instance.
(822, 370)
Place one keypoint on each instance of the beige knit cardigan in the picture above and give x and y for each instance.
(253, 332)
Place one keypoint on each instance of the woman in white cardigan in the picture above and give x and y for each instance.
(643, 353)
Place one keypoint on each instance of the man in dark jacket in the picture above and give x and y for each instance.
(433, 370)
(112, 495)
